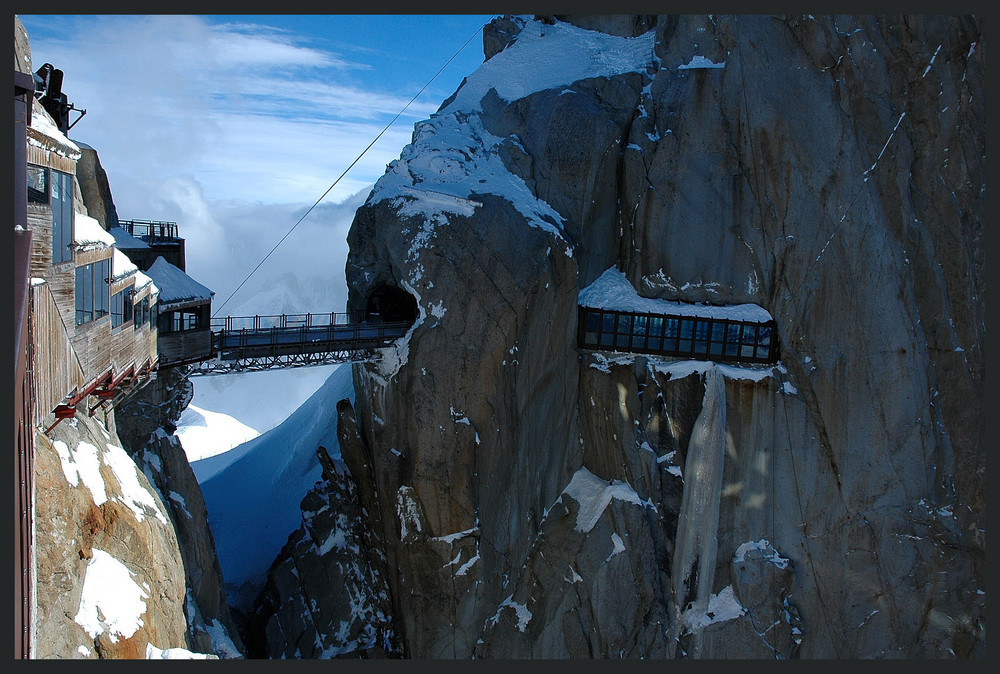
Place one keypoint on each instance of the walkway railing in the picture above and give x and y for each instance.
(285, 321)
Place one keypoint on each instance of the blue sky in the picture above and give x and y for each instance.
(234, 125)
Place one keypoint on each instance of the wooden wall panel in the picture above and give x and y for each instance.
(56, 369)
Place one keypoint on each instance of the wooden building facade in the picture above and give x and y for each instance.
(83, 354)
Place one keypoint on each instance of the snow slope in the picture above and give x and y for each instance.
(253, 491)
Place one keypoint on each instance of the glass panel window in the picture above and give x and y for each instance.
(38, 184)
(684, 344)
(117, 304)
(639, 325)
(127, 296)
(102, 288)
(592, 324)
(701, 329)
(141, 313)
(733, 340)
(624, 326)
(670, 328)
(62, 216)
(82, 313)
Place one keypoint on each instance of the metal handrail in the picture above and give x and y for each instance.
(285, 321)
(152, 229)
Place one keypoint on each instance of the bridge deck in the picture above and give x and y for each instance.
(293, 340)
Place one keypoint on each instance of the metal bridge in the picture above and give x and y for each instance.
(250, 343)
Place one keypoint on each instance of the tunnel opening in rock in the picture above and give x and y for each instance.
(390, 304)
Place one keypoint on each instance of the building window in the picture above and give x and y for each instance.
(62, 216)
(93, 291)
(38, 184)
(141, 312)
(184, 320)
(121, 307)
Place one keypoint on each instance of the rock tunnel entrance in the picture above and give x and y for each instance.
(390, 304)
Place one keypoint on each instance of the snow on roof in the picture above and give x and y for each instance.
(613, 291)
(141, 281)
(125, 240)
(88, 233)
(43, 125)
(176, 286)
(121, 266)
(544, 56)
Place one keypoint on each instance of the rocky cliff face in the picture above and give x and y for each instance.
(533, 499)
(125, 564)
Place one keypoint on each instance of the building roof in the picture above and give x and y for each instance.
(126, 241)
(176, 286)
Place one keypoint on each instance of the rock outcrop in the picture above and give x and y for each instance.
(95, 187)
(541, 501)
(110, 578)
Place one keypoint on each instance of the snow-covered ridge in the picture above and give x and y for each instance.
(547, 56)
(451, 158)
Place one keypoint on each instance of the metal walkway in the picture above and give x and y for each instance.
(251, 343)
(678, 336)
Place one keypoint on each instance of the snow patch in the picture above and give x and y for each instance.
(594, 494)
(765, 548)
(721, 607)
(523, 614)
(698, 61)
(111, 601)
(154, 653)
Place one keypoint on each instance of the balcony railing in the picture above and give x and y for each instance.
(151, 231)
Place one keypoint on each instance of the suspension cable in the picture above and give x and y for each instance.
(356, 160)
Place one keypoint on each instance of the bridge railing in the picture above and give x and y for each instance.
(251, 336)
(285, 321)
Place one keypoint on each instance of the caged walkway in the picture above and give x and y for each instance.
(250, 343)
